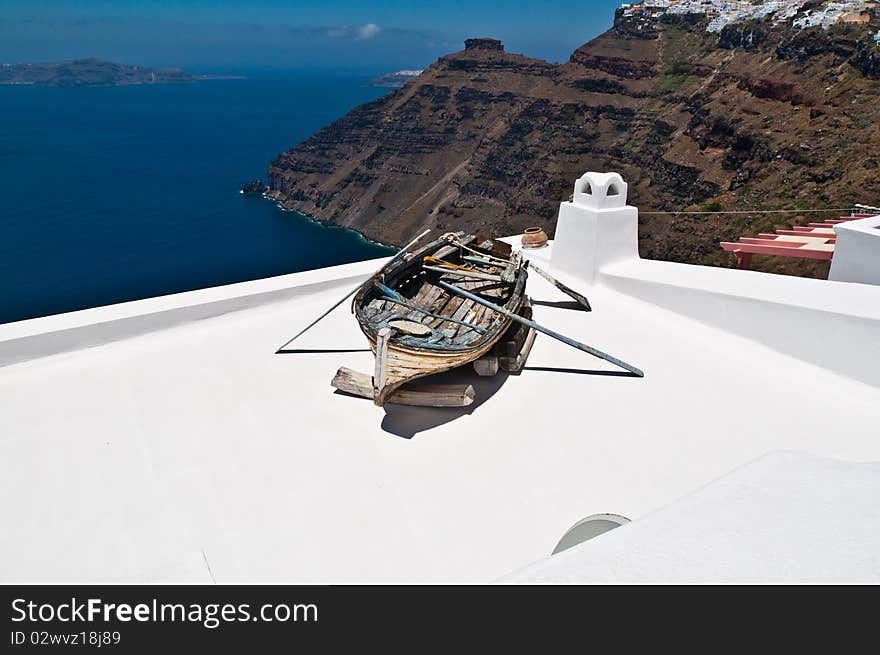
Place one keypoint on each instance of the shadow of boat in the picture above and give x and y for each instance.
(407, 421)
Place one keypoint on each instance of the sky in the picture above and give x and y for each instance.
(239, 35)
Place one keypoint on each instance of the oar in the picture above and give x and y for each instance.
(562, 287)
(354, 291)
(540, 328)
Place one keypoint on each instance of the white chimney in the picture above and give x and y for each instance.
(596, 228)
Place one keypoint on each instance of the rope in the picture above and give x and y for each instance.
(754, 211)
(443, 262)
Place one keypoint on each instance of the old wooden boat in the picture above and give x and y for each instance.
(416, 328)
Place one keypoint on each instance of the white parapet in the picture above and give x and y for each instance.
(595, 228)
(596, 245)
(857, 252)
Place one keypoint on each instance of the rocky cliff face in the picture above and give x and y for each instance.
(755, 115)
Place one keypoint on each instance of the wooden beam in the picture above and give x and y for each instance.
(781, 251)
(461, 273)
(771, 243)
(422, 395)
(817, 233)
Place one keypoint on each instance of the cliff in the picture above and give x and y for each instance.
(752, 115)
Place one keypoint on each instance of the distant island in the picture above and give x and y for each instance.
(396, 79)
(95, 72)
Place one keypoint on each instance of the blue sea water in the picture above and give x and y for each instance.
(116, 194)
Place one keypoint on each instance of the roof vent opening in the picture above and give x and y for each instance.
(612, 190)
(588, 528)
(588, 189)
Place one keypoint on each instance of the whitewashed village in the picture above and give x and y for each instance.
(722, 12)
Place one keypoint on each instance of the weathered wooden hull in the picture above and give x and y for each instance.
(405, 366)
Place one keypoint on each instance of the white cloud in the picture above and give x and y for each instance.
(367, 31)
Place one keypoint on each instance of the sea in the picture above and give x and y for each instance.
(115, 194)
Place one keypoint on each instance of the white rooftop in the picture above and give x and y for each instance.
(164, 440)
(787, 517)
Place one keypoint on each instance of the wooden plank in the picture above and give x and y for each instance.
(441, 319)
(469, 334)
(806, 232)
(434, 292)
(410, 327)
(424, 290)
(774, 243)
(440, 304)
(463, 310)
(448, 310)
(782, 251)
(424, 298)
(450, 329)
(456, 273)
(800, 237)
(423, 395)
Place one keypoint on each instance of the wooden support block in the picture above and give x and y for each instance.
(423, 395)
(487, 365)
(512, 342)
(514, 365)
